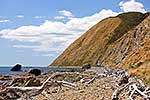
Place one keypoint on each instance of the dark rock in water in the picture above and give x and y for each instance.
(35, 72)
(86, 66)
(17, 67)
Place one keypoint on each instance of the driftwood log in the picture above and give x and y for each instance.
(135, 88)
(29, 92)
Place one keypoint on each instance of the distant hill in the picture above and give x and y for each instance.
(121, 41)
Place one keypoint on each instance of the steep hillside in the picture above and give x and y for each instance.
(113, 41)
(131, 48)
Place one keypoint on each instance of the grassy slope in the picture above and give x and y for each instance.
(93, 45)
(86, 49)
(129, 21)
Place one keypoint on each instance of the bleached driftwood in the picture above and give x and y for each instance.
(47, 82)
(29, 92)
(117, 91)
(135, 88)
(131, 88)
(91, 80)
(86, 82)
(147, 90)
(31, 88)
(33, 91)
(67, 84)
(102, 75)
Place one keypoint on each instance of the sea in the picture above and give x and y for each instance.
(5, 70)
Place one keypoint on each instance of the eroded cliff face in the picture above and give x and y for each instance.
(120, 41)
(132, 48)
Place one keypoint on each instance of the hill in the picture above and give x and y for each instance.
(120, 41)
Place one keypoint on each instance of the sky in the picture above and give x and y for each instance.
(35, 32)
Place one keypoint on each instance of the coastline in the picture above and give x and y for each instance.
(97, 83)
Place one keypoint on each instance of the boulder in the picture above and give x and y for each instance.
(17, 82)
(11, 95)
(35, 72)
(86, 66)
(17, 67)
(5, 77)
(31, 81)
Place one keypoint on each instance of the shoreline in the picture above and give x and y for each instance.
(97, 83)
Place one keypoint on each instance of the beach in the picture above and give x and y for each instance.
(97, 83)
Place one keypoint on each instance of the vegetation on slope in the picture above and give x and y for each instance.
(109, 42)
(129, 21)
(142, 71)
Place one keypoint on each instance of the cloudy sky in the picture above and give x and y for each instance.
(35, 32)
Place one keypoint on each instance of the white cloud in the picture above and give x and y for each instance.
(86, 22)
(54, 35)
(39, 17)
(44, 47)
(59, 17)
(4, 20)
(132, 5)
(20, 16)
(66, 13)
(57, 35)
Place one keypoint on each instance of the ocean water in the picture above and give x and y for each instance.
(6, 69)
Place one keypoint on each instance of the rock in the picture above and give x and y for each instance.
(17, 67)
(12, 96)
(54, 90)
(123, 80)
(44, 73)
(17, 82)
(5, 77)
(86, 66)
(9, 96)
(35, 72)
(73, 70)
(31, 81)
(81, 91)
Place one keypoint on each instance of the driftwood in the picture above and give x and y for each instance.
(147, 90)
(117, 91)
(133, 89)
(90, 81)
(126, 86)
(33, 91)
(66, 84)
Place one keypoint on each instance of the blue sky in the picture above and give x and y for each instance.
(35, 32)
